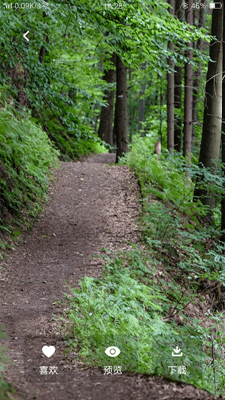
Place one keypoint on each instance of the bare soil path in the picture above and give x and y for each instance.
(92, 205)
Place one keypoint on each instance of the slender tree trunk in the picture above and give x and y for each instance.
(120, 123)
(170, 94)
(188, 88)
(211, 134)
(131, 113)
(141, 108)
(197, 74)
(223, 134)
(43, 48)
(95, 117)
(114, 135)
(105, 131)
(178, 105)
(178, 88)
(160, 110)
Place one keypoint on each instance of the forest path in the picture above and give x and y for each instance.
(92, 205)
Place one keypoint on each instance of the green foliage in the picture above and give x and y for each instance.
(155, 116)
(171, 179)
(5, 388)
(58, 73)
(141, 302)
(85, 147)
(26, 156)
(110, 306)
(125, 308)
(210, 180)
(162, 179)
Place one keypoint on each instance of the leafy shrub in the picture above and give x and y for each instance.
(26, 156)
(159, 178)
(171, 179)
(71, 145)
(93, 145)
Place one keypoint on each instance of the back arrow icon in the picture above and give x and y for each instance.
(25, 36)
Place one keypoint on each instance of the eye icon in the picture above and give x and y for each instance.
(112, 351)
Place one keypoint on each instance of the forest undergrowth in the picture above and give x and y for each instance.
(164, 294)
(27, 157)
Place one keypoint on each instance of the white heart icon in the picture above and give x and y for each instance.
(48, 350)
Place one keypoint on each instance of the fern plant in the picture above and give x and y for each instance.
(26, 156)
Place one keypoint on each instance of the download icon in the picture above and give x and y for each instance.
(177, 352)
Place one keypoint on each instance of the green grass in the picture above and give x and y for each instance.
(5, 388)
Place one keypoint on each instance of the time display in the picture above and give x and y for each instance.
(113, 6)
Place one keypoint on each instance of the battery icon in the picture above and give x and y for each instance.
(214, 6)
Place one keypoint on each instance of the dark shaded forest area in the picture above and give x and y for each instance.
(141, 81)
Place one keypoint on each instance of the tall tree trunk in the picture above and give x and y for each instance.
(178, 105)
(188, 84)
(105, 131)
(141, 107)
(197, 74)
(46, 39)
(170, 94)
(120, 123)
(223, 134)
(131, 114)
(211, 134)
(160, 110)
(178, 88)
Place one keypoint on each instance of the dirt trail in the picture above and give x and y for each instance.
(92, 205)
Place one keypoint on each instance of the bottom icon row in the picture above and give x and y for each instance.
(111, 351)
